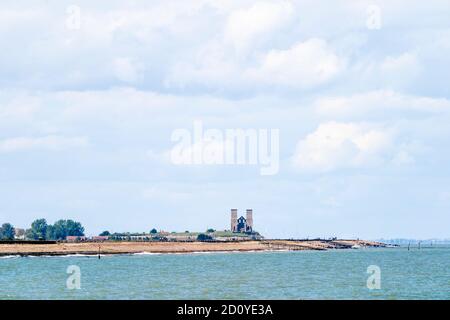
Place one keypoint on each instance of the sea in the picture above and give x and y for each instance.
(367, 273)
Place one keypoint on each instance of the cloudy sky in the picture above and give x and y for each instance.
(91, 92)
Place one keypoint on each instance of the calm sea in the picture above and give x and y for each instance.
(335, 274)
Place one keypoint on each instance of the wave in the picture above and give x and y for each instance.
(145, 253)
(10, 257)
(76, 255)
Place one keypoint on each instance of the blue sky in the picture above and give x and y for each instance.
(90, 94)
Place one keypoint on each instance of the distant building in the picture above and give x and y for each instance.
(132, 237)
(100, 238)
(19, 234)
(241, 224)
(181, 237)
(75, 238)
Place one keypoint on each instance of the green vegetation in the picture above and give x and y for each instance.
(203, 237)
(105, 234)
(210, 230)
(186, 234)
(40, 230)
(229, 234)
(63, 228)
(7, 232)
(153, 231)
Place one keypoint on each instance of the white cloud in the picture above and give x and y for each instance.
(378, 104)
(157, 193)
(212, 66)
(335, 145)
(18, 106)
(304, 65)
(42, 143)
(12, 18)
(126, 70)
(158, 157)
(406, 62)
(221, 46)
(245, 25)
(399, 71)
(403, 157)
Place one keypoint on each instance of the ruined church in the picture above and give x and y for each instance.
(241, 224)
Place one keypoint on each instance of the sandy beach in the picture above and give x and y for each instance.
(175, 247)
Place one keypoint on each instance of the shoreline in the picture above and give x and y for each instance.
(144, 253)
(116, 248)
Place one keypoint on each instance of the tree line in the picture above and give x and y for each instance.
(41, 230)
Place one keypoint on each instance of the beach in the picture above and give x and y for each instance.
(126, 247)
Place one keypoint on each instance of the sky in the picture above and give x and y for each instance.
(91, 93)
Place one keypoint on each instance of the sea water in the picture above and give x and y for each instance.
(336, 274)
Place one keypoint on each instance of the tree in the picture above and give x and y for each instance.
(58, 230)
(63, 228)
(7, 232)
(203, 237)
(50, 234)
(38, 230)
(105, 234)
(74, 228)
(210, 230)
(29, 234)
(153, 231)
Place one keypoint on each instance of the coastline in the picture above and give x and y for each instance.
(113, 248)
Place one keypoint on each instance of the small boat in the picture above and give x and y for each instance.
(356, 246)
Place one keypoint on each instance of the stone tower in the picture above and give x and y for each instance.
(233, 220)
(249, 219)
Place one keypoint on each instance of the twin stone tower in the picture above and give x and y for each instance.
(243, 225)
